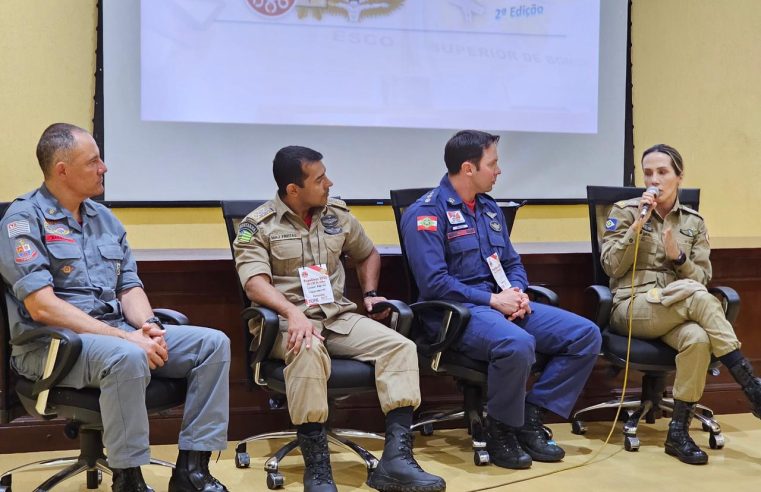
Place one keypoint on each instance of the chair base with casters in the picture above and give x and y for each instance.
(650, 405)
(347, 377)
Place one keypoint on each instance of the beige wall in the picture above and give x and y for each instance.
(695, 76)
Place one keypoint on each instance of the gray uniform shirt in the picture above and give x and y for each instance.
(87, 265)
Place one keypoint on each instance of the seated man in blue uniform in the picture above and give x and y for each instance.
(459, 249)
(65, 261)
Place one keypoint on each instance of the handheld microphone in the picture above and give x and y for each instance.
(646, 208)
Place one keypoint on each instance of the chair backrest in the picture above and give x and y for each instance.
(601, 199)
(233, 212)
(401, 199)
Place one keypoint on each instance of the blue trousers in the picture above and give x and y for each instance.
(120, 370)
(571, 342)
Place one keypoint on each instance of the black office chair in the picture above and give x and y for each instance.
(80, 407)
(347, 377)
(470, 374)
(653, 358)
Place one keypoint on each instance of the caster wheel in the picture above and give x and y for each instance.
(481, 458)
(426, 430)
(578, 427)
(631, 443)
(275, 480)
(242, 460)
(94, 479)
(716, 441)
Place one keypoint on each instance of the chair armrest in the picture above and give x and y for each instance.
(68, 353)
(543, 294)
(171, 317)
(603, 304)
(458, 315)
(268, 332)
(401, 312)
(730, 300)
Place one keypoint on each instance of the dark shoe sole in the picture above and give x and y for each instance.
(690, 460)
(388, 484)
(544, 458)
(513, 465)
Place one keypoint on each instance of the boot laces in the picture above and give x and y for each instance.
(207, 476)
(405, 449)
(317, 460)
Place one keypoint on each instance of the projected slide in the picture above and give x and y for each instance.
(493, 64)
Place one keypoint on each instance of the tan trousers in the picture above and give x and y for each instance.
(306, 374)
(695, 327)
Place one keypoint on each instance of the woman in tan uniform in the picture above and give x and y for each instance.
(671, 301)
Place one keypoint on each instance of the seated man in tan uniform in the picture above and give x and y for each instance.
(303, 233)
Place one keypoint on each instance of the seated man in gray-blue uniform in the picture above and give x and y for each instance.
(66, 262)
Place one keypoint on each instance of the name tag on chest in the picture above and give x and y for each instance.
(315, 282)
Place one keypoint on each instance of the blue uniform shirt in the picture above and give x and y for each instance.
(447, 246)
(88, 264)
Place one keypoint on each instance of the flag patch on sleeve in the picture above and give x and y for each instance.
(18, 227)
(427, 223)
(610, 224)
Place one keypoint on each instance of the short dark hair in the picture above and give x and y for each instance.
(467, 145)
(55, 144)
(676, 158)
(287, 167)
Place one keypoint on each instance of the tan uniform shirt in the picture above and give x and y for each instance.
(653, 268)
(274, 241)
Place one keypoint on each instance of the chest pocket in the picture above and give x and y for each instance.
(685, 241)
(286, 257)
(334, 244)
(648, 248)
(66, 265)
(464, 256)
(497, 242)
(110, 267)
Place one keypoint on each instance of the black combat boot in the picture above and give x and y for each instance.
(503, 446)
(191, 474)
(318, 476)
(678, 442)
(128, 480)
(397, 470)
(534, 438)
(743, 374)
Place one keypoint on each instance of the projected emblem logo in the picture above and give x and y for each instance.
(271, 8)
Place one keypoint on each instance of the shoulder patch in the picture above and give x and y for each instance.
(246, 231)
(260, 214)
(611, 224)
(336, 202)
(633, 202)
(690, 210)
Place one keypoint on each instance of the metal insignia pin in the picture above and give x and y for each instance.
(491, 214)
(451, 201)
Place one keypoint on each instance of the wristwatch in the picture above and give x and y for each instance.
(680, 259)
(371, 293)
(156, 321)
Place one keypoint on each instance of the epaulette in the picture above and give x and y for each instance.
(261, 213)
(336, 202)
(428, 198)
(690, 210)
(632, 202)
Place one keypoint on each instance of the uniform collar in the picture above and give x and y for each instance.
(52, 209)
(450, 196)
(282, 209)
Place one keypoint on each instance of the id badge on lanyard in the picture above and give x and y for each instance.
(315, 282)
(498, 272)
